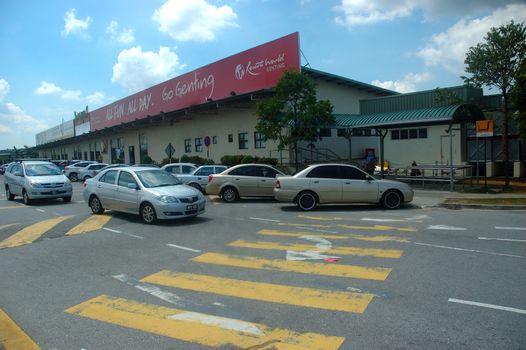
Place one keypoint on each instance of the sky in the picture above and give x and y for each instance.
(57, 57)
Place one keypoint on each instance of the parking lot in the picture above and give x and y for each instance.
(258, 274)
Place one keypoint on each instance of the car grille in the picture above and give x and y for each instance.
(192, 199)
(53, 185)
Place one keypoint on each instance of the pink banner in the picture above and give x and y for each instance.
(255, 69)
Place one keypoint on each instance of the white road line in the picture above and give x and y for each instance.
(124, 233)
(148, 288)
(502, 239)
(264, 219)
(445, 227)
(490, 306)
(41, 210)
(510, 228)
(184, 248)
(468, 250)
(225, 323)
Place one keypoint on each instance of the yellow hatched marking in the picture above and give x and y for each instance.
(349, 271)
(354, 227)
(93, 223)
(31, 233)
(308, 297)
(15, 207)
(343, 236)
(199, 328)
(379, 253)
(12, 337)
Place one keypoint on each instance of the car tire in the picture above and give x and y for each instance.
(73, 177)
(196, 186)
(307, 201)
(229, 194)
(25, 197)
(96, 205)
(8, 194)
(66, 199)
(148, 214)
(86, 177)
(391, 199)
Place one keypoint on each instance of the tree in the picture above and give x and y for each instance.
(495, 63)
(518, 97)
(293, 114)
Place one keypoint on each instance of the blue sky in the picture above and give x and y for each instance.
(58, 57)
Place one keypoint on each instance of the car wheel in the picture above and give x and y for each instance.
(306, 201)
(73, 177)
(391, 199)
(8, 194)
(196, 186)
(229, 194)
(66, 199)
(148, 214)
(26, 198)
(86, 177)
(96, 205)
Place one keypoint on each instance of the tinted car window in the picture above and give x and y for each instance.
(157, 178)
(173, 169)
(269, 172)
(42, 169)
(325, 172)
(249, 170)
(187, 169)
(352, 173)
(204, 171)
(125, 178)
(109, 177)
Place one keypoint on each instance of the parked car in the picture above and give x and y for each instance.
(199, 177)
(72, 171)
(146, 165)
(152, 193)
(179, 168)
(2, 169)
(339, 183)
(109, 166)
(36, 180)
(90, 170)
(244, 180)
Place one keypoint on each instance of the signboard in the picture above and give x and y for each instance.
(59, 132)
(207, 141)
(255, 69)
(484, 128)
(169, 150)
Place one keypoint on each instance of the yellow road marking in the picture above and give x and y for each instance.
(12, 337)
(31, 233)
(215, 199)
(322, 218)
(8, 225)
(349, 271)
(93, 223)
(308, 297)
(15, 207)
(354, 227)
(380, 253)
(199, 328)
(343, 236)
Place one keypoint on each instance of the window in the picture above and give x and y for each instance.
(187, 145)
(198, 144)
(325, 132)
(109, 177)
(259, 140)
(325, 172)
(243, 140)
(404, 134)
(413, 133)
(125, 178)
(205, 171)
(248, 170)
(395, 134)
(214, 140)
(352, 173)
(268, 172)
(422, 133)
(230, 138)
(187, 169)
(341, 132)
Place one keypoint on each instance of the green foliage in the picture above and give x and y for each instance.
(199, 160)
(518, 97)
(445, 97)
(147, 160)
(230, 160)
(247, 159)
(168, 161)
(293, 114)
(185, 158)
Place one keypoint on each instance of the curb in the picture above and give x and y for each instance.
(458, 206)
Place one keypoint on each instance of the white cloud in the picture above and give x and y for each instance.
(123, 36)
(4, 89)
(75, 26)
(137, 70)
(97, 98)
(71, 95)
(448, 49)
(193, 20)
(407, 84)
(46, 88)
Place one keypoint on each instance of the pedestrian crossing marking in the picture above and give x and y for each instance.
(348, 271)
(199, 328)
(380, 253)
(93, 223)
(12, 337)
(354, 227)
(282, 294)
(342, 236)
(31, 233)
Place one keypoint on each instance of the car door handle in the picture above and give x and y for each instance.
(99, 186)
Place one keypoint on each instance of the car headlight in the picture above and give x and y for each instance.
(167, 199)
(35, 185)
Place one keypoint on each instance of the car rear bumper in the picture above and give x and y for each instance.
(284, 195)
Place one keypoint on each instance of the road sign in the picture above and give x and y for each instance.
(207, 141)
(169, 150)
(484, 128)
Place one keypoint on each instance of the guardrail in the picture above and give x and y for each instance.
(433, 173)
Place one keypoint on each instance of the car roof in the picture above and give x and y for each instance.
(29, 162)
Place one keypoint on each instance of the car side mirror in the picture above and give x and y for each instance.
(133, 186)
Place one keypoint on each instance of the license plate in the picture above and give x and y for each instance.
(191, 207)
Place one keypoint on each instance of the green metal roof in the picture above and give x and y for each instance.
(432, 115)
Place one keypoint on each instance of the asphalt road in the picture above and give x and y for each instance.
(258, 274)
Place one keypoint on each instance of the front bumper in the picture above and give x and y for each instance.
(167, 211)
(46, 193)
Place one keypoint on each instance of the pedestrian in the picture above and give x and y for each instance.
(370, 162)
(414, 170)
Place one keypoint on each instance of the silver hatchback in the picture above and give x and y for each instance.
(152, 193)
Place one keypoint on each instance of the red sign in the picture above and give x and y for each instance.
(248, 71)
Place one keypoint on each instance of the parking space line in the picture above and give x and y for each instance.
(490, 306)
(8, 225)
(184, 248)
(468, 250)
(276, 293)
(203, 329)
(348, 271)
(502, 239)
(93, 223)
(12, 337)
(31, 233)
(15, 207)
(261, 219)
(354, 227)
(379, 253)
(124, 233)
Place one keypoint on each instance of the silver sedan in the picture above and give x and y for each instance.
(151, 193)
(339, 183)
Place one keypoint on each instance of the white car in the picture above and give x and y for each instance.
(199, 177)
(339, 183)
(90, 171)
(179, 168)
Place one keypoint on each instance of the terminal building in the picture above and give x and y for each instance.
(211, 112)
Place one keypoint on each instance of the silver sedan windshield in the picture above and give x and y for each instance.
(157, 178)
(42, 170)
